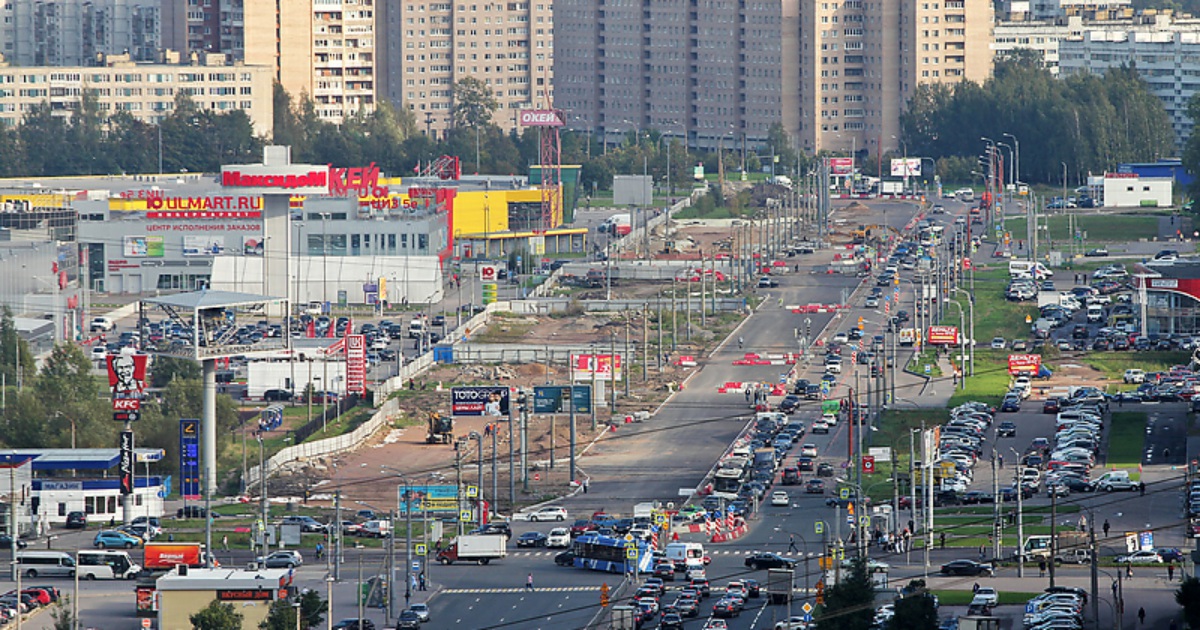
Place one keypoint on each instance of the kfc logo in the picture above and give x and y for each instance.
(127, 375)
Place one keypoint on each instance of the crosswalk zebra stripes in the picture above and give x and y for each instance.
(501, 591)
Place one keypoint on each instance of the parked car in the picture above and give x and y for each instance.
(76, 520)
(966, 567)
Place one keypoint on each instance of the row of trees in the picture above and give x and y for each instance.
(1089, 122)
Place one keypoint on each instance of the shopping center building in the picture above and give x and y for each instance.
(1172, 296)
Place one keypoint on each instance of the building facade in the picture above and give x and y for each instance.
(145, 91)
(425, 48)
(77, 32)
(1164, 51)
(836, 75)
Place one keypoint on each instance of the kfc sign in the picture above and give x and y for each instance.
(541, 118)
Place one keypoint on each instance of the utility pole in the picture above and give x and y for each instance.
(645, 344)
(1053, 534)
(627, 353)
(525, 447)
(1021, 525)
(337, 551)
(996, 531)
(1095, 569)
(458, 449)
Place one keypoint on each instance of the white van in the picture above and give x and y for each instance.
(1095, 313)
(1028, 269)
(416, 328)
(107, 564)
(33, 564)
(688, 555)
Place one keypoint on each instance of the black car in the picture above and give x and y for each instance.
(966, 567)
(753, 588)
(769, 561)
(531, 539)
(6, 542)
(671, 620)
(565, 558)
(408, 619)
(789, 403)
(805, 464)
(665, 571)
(1008, 428)
(357, 624)
(193, 511)
(277, 395)
(725, 608)
(76, 520)
(824, 469)
(495, 527)
(978, 496)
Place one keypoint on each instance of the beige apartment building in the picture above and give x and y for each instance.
(145, 91)
(836, 74)
(426, 47)
(323, 48)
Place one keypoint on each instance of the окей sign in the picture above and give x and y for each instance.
(541, 118)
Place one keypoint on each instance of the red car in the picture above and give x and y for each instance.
(582, 526)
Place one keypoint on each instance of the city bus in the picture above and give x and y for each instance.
(106, 564)
(727, 482)
(612, 555)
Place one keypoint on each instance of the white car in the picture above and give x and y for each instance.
(99, 353)
(559, 537)
(998, 343)
(548, 513)
(780, 498)
(986, 596)
(830, 419)
(808, 450)
(833, 366)
(1140, 557)
(793, 623)
(841, 337)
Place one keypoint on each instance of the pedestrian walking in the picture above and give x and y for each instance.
(975, 588)
(225, 543)
(1106, 526)
(1041, 568)
(1171, 572)
(1129, 571)
(942, 540)
(1141, 489)
(422, 580)
(320, 551)
(1142, 616)
(487, 430)
(413, 583)
(1000, 460)
(529, 582)
(982, 550)
(792, 544)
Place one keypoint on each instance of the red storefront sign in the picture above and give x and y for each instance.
(356, 364)
(942, 335)
(1024, 363)
(311, 179)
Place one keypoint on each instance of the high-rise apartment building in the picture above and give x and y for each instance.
(837, 75)
(427, 47)
(78, 32)
(322, 48)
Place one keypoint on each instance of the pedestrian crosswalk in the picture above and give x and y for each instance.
(554, 552)
(504, 591)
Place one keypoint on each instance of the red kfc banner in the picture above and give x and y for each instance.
(942, 335)
(1024, 363)
(127, 375)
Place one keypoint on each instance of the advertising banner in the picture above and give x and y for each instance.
(489, 273)
(583, 366)
(189, 459)
(203, 245)
(126, 465)
(1026, 363)
(942, 335)
(252, 246)
(541, 118)
(841, 166)
(127, 375)
(142, 247)
(479, 401)
(553, 399)
(356, 364)
(910, 167)
(431, 499)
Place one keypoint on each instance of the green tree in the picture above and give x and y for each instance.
(848, 604)
(282, 615)
(167, 369)
(14, 351)
(1188, 596)
(1191, 149)
(217, 616)
(916, 610)
(474, 103)
(63, 614)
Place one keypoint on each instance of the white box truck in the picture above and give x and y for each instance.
(479, 548)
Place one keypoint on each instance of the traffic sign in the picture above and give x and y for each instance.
(819, 526)
(844, 493)
(146, 623)
(631, 553)
(416, 567)
(465, 515)
(868, 464)
(864, 520)
(849, 519)
(628, 538)
(472, 492)
(807, 608)
(421, 549)
(824, 387)
(807, 617)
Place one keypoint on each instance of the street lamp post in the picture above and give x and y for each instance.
(403, 501)
(971, 307)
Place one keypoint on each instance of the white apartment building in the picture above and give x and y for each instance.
(75, 32)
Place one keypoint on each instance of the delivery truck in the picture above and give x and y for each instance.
(166, 556)
(479, 548)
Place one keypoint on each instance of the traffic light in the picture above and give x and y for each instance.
(821, 593)
(860, 323)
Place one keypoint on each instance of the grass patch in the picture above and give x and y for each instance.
(1114, 364)
(990, 381)
(697, 212)
(995, 316)
(1126, 433)
(964, 597)
(1097, 227)
(927, 357)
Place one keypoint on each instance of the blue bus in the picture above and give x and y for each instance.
(606, 553)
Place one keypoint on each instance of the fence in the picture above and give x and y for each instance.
(563, 305)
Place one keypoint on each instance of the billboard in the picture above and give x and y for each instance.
(906, 167)
(541, 118)
(291, 179)
(942, 335)
(553, 398)
(356, 364)
(142, 247)
(841, 166)
(585, 366)
(127, 374)
(189, 459)
(252, 245)
(479, 401)
(1027, 363)
(127, 463)
(421, 499)
(203, 245)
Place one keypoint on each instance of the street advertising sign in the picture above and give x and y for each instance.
(585, 366)
(868, 464)
(1024, 363)
(881, 453)
(553, 399)
(293, 179)
(431, 499)
(541, 118)
(841, 166)
(127, 374)
(942, 335)
(127, 464)
(356, 364)
(479, 401)
(489, 273)
(906, 167)
(189, 459)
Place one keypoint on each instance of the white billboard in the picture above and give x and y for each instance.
(906, 167)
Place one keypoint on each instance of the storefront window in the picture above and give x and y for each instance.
(391, 246)
(404, 241)
(337, 244)
(355, 248)
(422, 242)
(316, 244)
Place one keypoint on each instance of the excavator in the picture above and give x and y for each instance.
(441, 428)
(869, 233)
